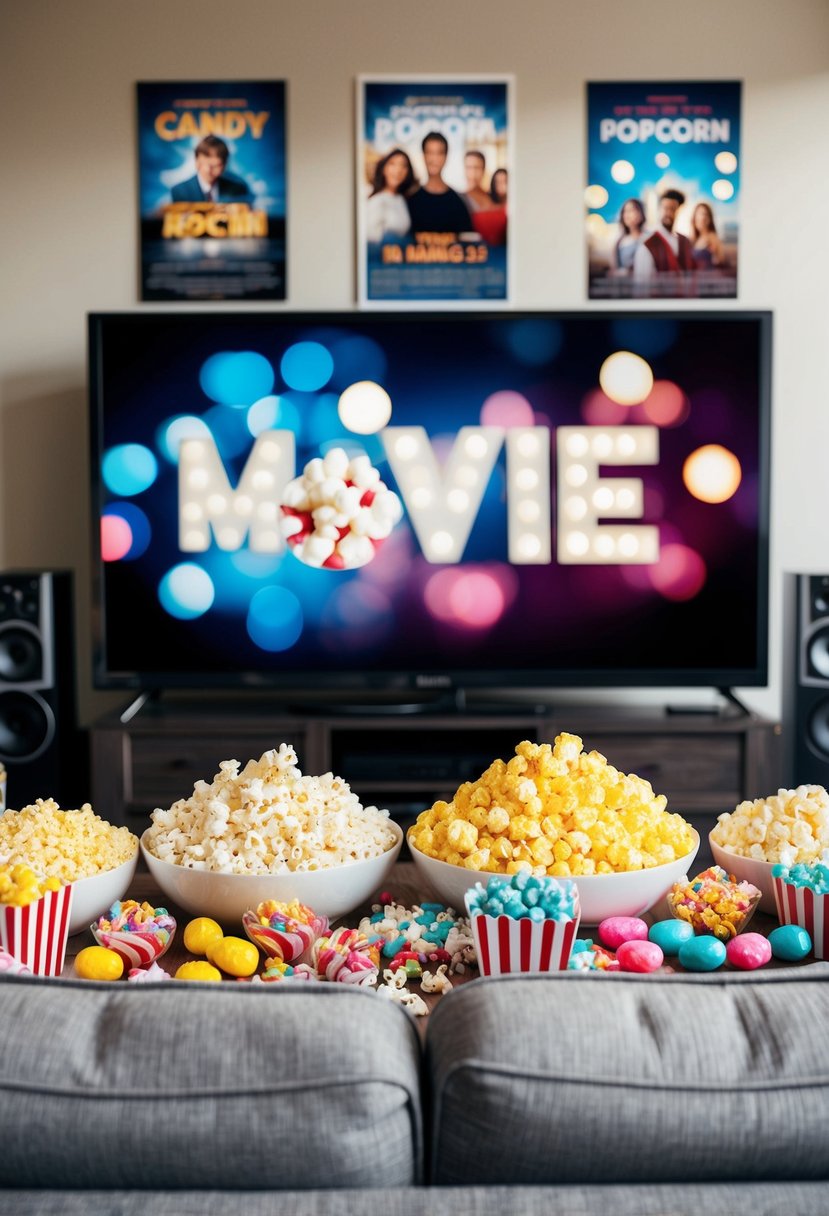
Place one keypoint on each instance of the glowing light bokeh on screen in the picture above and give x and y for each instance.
(712, 473)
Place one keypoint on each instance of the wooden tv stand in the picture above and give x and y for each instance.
(704, 763)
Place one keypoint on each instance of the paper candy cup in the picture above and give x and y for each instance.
(36, 935)
(289, 944)
(801, 906)
(505, 945)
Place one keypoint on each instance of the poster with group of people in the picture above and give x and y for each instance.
(213, 185)
(663, 189)
(434, 200)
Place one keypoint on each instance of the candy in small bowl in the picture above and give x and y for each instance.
(138, 933)
(284, 930)
(714, 902)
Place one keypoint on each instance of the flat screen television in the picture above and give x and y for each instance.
(380, 502)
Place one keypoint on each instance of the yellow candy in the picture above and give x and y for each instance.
(98, 963)
(198, 970)
(200, 934)
(235, 956)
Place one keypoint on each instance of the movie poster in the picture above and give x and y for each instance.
(434, 191)
(212, 183)
(663, 189)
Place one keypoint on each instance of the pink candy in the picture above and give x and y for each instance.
(638, 955)
(618, 929)
(748, 951)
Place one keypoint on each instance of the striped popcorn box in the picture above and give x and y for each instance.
(504, 944)
(36, 935)
(801, 906)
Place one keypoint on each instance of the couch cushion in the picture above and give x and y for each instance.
(205, 1086)
(736, 1199)
(611, 1078)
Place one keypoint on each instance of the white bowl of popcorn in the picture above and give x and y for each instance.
(76, 846)
(629, 893)
(265, 832)
(790, 826)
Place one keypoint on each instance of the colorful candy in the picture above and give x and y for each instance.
(235, 956)
(714, 902)
(151, 974)
(791, 943)
(748, 951)
(98, 963)
(618, 929)
(284, 930)
(201, 933)
(702, 953)
(638, 955)
(525, 895)
(139, 933)
(199, 970)
(669, 935)
(815, 876)
(346, 958)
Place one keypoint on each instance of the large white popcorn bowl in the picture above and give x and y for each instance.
(226, 897)
(600, 895)
(94, 896)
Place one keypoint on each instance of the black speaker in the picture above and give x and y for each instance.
(38, 733)
(806, 678)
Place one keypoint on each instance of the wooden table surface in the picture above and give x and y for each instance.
(406, 886)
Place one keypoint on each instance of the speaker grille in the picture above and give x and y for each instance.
(817, 652)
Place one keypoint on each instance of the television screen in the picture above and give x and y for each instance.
(380, 501)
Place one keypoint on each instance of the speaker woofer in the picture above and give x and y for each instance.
(817, 731)
(817, 652)
(27, 726)
(21, 654)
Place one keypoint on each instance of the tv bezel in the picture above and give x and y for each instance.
(402, 681)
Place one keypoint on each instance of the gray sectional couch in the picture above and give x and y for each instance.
(542, 1094)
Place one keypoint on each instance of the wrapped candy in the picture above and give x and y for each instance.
(346, 958)
(138, 933)
(284, 931)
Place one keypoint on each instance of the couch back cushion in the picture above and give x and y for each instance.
(580, 1078)
(206, 1086)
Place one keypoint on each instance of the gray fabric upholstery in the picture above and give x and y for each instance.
(574, 1078)
(214, 1086)
(768, 1199)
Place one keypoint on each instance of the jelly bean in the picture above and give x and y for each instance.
(98, 963)
(670, 934)
(394, 947)
(235, 956)
(199, 970)
(638, 955)
(413, 969)
(618, 929)
(702, 954)
(748, 951)
(790, 942)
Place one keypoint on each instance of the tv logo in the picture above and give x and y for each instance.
(443, 502)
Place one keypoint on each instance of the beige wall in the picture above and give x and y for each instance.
(68, 233)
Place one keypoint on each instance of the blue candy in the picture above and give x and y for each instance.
(670, 935)
(790, 942)
(702, 954)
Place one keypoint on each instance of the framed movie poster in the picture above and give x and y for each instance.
(212, 184)
(435, 201)
(663, 189)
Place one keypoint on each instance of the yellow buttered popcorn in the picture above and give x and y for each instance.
(20, 886)
(555, 810)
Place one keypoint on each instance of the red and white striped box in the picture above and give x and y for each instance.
(37, 934)
(504, 944)
(801, 906)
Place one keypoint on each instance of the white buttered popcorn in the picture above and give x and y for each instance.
(790, 826)
(338, 511)
(267, 818)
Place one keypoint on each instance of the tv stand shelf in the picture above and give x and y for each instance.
(705, 764)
